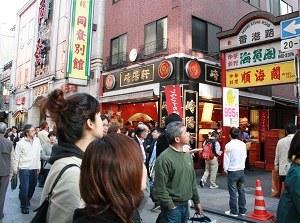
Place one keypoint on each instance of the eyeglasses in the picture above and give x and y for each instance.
(105, 125)
(32, 131)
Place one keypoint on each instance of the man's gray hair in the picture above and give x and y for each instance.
(174, 129)
(2, 127)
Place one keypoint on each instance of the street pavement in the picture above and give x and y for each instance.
(214, 201)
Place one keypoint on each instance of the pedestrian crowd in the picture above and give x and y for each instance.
(110, 173)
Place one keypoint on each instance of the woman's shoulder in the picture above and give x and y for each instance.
(80, 216)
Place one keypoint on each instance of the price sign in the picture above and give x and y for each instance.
(231, 113)
(230, 107)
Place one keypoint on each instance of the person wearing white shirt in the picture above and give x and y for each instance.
(27, 163)
(235, 155)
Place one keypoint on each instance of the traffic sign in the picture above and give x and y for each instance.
(290, 28)
(290, 44)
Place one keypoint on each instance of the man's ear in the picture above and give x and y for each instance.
(177, 139)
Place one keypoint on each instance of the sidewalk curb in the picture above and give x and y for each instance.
(240, 218)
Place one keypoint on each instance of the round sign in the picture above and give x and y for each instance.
(133, 55)
(193, 69)
(165, 69)
(110, 81)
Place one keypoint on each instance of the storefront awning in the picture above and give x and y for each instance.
(128, 97)
(19, 111)
(134, 94)
(255, 99)
(285, 102)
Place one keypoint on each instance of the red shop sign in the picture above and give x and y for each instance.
(173, 99)
(165, 69)
(193, 69)
(263, 124)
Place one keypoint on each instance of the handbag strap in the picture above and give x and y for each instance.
(59, 175)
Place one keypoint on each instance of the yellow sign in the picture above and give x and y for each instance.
(80, 38)
(277, 73)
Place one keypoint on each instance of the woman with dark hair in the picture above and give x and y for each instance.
(114, 128)
(45, 156)
(111, 181)
(131, 133)
(289, 205)
(78, 123)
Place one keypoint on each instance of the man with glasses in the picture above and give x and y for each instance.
(173, 188)
(27, 163)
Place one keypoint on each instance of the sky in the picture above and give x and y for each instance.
(8, 10)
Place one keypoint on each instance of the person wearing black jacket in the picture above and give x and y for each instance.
(162, 142)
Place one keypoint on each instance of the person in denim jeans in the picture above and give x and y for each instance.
(234, 164)
(27, 163)
(175, 180)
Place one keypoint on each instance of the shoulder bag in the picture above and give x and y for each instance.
(41, 214)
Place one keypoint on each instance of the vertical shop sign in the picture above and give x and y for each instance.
(263, 124)
(230, 107)
(173, 99)
(80, 42)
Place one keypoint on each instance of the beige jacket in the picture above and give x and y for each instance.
(281, 162)
(66, 195)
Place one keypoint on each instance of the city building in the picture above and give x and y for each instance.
(151, 47)
(134, 56)
(58, 45)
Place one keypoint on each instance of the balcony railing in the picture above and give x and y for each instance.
(154, 47)
(117, 60)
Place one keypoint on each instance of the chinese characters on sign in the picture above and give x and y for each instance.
(40, 53)
(173, 99)
(255, 31)
(230, 107)
(263, 124)
(42, 42)
(277, 73)
(212, 74)
(137, 76)
(258, 55)
(80, 38)
(43, 11)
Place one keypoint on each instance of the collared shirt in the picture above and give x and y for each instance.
(281, 162)
(142, 147)
(27, 154)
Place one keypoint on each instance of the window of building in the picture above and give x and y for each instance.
(279, 7)
(118, 50)
(156, 35)
(255, 3)
(204, 37)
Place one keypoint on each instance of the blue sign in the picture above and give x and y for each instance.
(290, 28)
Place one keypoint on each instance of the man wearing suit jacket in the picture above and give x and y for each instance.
(6, 165)
(141, 133)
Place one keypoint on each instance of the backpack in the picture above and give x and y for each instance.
(207, 152)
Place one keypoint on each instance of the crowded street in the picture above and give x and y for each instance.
(214, 201)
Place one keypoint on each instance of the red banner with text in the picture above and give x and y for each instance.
(173, 99)
(263, 124)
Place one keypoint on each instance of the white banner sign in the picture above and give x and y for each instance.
(230, 107)
(255, 31)
(257, 55)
